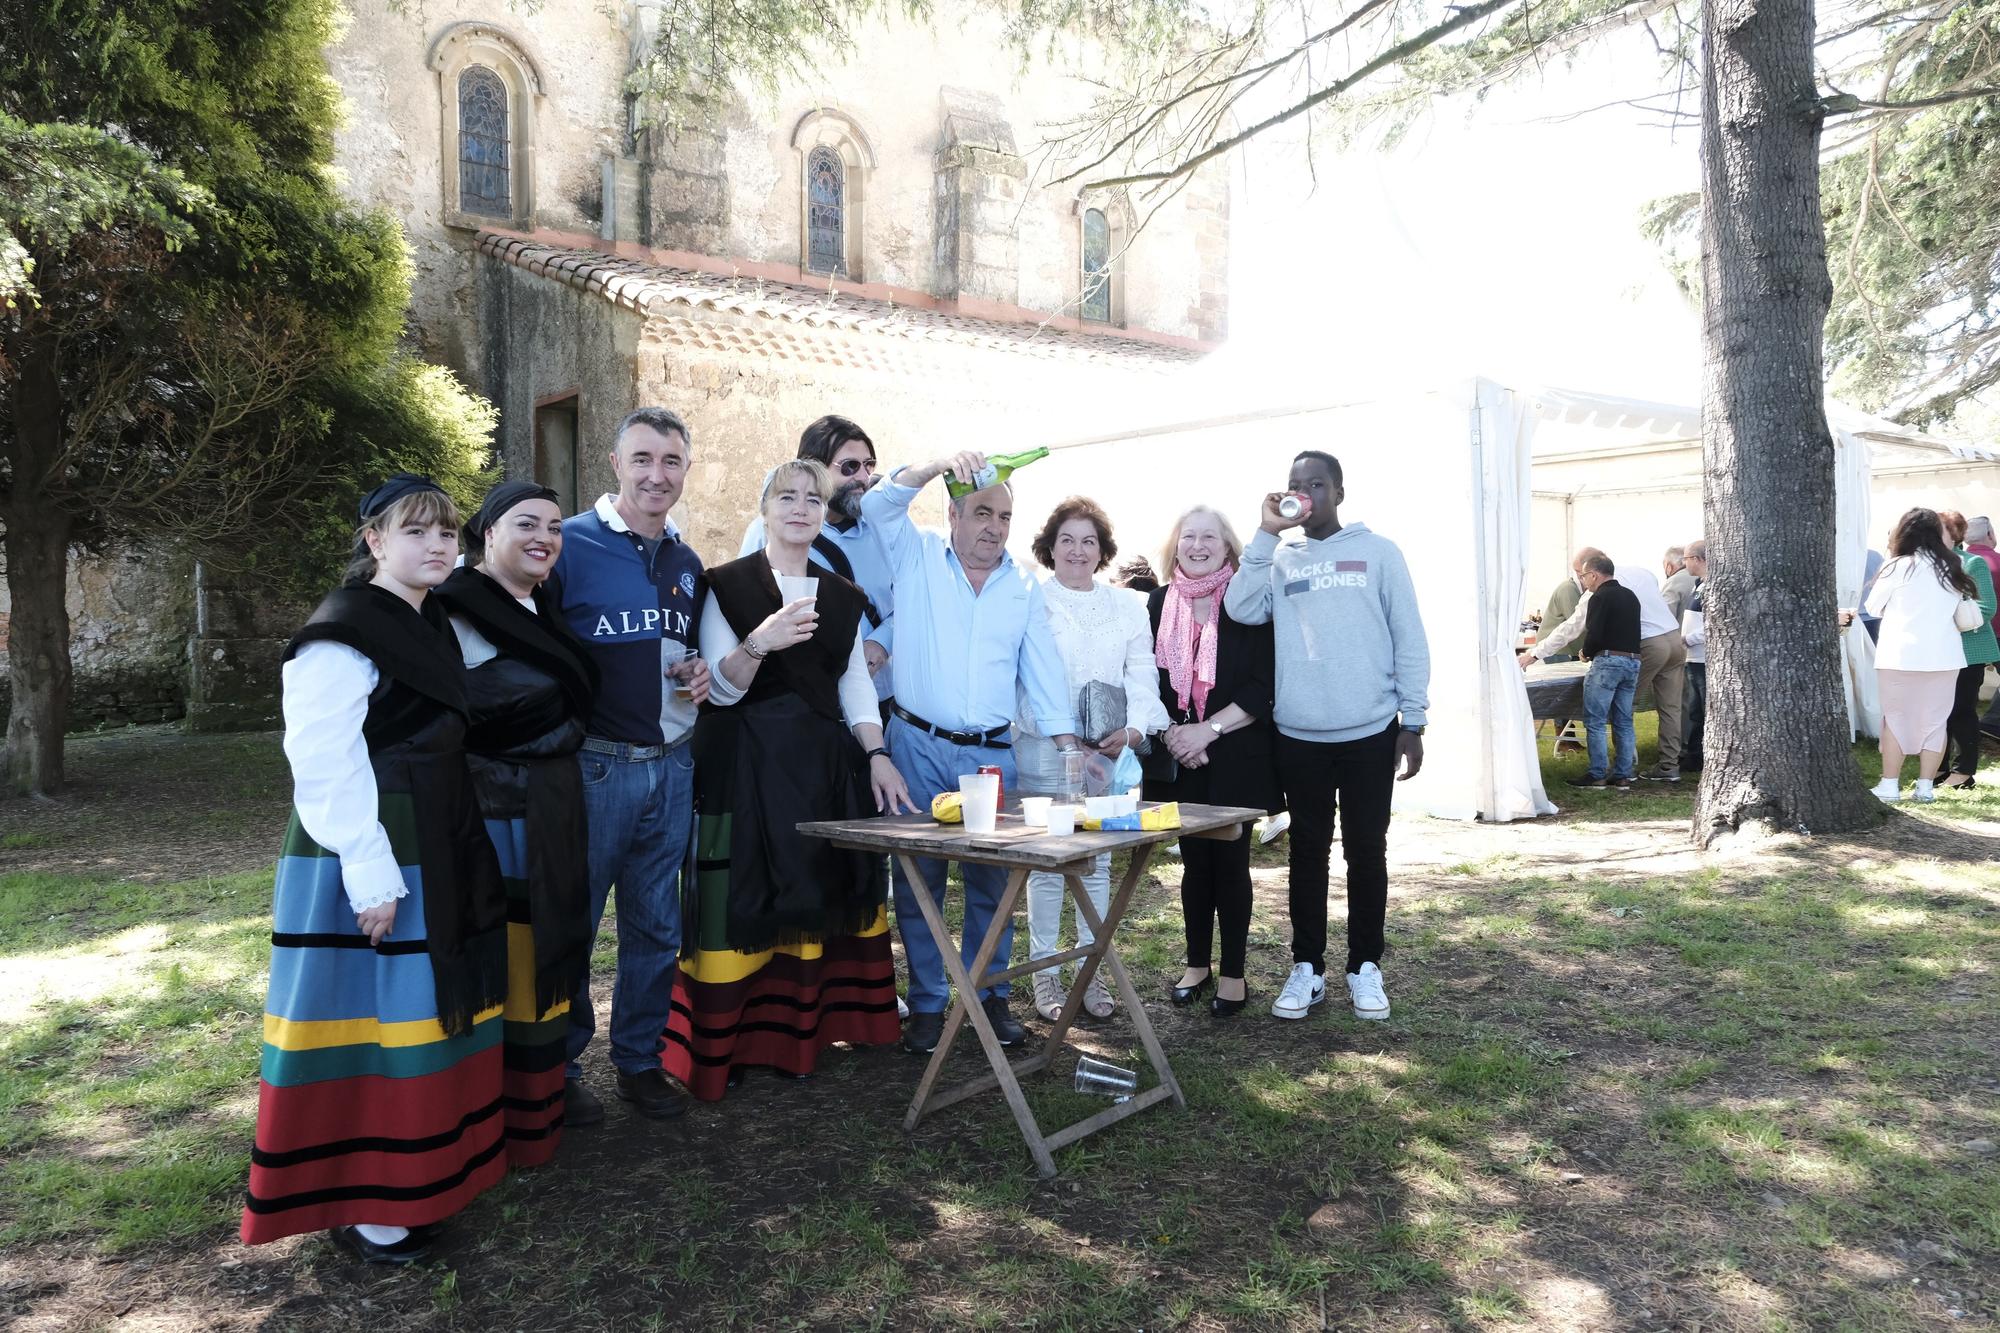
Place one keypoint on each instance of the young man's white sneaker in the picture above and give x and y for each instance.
(1273, 828)
(1888, 791)
(1303, 989)
(1365, 989)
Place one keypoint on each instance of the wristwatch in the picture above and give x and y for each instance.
(881, 750)
(1215, 727)
(1413, 731)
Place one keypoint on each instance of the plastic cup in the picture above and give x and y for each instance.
(1073, 762)
(1035, 811)
(682, 673)
(979, 797)
(791, 587)
(1061, 820)
(1099, 807)
(1106, 1079)
(1125, 804)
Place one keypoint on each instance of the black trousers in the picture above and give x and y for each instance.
(1961, 729)
(1694, 716)
(1353, 780)
(1215, 886)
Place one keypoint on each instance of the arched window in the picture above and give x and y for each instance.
(826, 213)
(483, 185)
(489, 93)
(1096, 266)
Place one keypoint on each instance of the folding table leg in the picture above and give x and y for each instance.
(966, 1007)
(1104, 932)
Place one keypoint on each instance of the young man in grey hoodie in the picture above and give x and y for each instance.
(1353, 682)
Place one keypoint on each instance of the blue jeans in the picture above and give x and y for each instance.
(640, 813)
(1607, 694)
(931, 764)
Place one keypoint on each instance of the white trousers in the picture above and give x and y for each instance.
(1046, 895)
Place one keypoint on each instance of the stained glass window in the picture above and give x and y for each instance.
(1096, 266)
(826, 212)
(482, 144)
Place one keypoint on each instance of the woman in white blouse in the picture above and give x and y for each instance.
(382, 1052)
(1918, 649)
(787, 947)
(1103, 635)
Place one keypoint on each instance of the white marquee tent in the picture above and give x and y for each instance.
(1446, 473)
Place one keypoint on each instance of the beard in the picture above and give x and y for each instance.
(846, 502)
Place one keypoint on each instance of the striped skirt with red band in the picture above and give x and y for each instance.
(368, 1111)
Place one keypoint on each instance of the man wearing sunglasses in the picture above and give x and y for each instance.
(849, 544)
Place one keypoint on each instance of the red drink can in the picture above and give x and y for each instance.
(999, 781)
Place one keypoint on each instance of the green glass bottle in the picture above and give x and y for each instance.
(998, 468)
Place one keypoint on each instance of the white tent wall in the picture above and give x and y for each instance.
(1414, 473)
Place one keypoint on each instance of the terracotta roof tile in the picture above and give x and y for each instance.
(674, 302)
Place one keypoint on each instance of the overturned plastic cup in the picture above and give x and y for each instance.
(1099, 807)
(1061, 820)
(1125, 804)
(979, 798)
(1035, 811)
(1105, 1079)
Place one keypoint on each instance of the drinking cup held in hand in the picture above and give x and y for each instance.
(980, 795)
(682, 673)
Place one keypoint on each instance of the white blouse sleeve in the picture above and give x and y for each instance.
(857, 688)
(326, 688)
(1144, 708)
(1887, 579)
(474, 647)
(717, 641)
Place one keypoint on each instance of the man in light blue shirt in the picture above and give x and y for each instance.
(848, 544)
(974, 636)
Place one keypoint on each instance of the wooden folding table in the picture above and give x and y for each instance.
(1021, 849)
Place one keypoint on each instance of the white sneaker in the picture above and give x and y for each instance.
(1365, 989)
(1888, 791)
(902, 1008)
(1924, 791)
(1303, 989)
(1273, 828)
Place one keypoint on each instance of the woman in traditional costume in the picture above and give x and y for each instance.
(530, 683)
(788, 943)
(379, 1109)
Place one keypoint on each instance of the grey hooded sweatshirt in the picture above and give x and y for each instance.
(1351, 650)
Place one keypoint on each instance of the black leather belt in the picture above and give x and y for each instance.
(1614, 652)
(995, 739)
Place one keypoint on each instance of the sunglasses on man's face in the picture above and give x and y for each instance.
(849, 467)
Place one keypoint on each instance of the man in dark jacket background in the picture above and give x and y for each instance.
(1611, 646)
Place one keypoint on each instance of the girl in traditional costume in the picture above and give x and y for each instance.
(530, 683)
(379, 1111)
(788, 944)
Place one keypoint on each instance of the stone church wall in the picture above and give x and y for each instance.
(130, 616)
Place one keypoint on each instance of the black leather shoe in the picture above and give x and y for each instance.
(408, 1250)
(922, 1033)
(1005, 1028)
(1189, 994)
(651, 1095)
(581, 1106)
(1222, 1008)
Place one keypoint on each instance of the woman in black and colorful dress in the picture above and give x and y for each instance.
(379, 1108)
(788, 946)
(530, 683)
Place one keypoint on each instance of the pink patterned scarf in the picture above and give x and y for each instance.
(1186, 649)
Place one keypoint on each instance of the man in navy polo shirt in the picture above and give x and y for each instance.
(631, 589)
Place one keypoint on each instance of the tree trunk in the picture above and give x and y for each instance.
(1777, 752)
(37, 553)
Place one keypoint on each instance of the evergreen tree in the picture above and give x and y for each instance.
(199, 338)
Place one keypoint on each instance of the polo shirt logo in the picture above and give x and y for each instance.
(649, 620)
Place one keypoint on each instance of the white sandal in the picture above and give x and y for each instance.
(1097, 1001)
(1049, 995)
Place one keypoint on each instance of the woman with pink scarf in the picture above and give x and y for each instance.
(1216, 680)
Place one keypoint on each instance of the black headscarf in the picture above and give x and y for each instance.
(394, 489)
(495, 507)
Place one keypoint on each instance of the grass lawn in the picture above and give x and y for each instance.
(1626, 1086)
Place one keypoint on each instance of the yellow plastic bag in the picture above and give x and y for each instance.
(946, 808)
(1152, 820)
